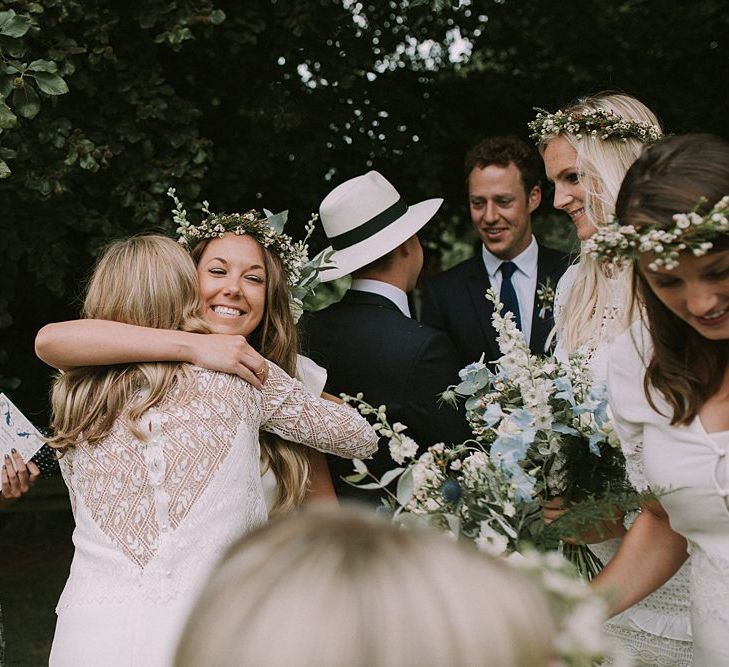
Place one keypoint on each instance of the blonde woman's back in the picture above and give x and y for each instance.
(153, 516)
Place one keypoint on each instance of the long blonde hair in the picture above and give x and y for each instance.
(326, 588)
(276, 339)
(601, 165)
(149, 281)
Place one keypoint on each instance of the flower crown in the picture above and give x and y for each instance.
(302, 273)
(603, 123)
(622, 243)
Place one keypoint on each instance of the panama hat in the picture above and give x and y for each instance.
(364, 218)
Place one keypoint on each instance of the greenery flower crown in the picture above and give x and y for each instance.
(690, 232)
(302, 273)
(602, 123)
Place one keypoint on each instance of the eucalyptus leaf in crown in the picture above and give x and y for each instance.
(302, 273)
(691, 232)
(601, 123)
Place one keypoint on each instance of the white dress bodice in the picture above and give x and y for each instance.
(657, 630)
(689, 467)
(153, 517)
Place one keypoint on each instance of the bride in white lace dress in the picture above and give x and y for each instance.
(669, 384)
(162, 459)
(591, 308)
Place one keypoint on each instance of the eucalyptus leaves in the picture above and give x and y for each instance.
(22, 84)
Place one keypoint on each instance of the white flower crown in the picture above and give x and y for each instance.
(302, 274)
(602, 123)
(690, 232)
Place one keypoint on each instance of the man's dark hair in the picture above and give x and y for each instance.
(503, 150)
(384, 262)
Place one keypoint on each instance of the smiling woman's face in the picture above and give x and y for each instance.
(560, 164)
(232, 279)
(697, 291)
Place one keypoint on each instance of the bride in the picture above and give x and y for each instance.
(592, 307)
(162, 459)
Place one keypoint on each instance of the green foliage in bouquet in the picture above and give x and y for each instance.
(541, 431)
(462, 490)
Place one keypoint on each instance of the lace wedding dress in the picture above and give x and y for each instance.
(693, 465)
(153, 517)
(656, 631)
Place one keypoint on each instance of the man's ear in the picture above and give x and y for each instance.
(406, 247)
(534, 199)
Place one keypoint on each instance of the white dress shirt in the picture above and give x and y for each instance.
(524, 280)
(394, 294)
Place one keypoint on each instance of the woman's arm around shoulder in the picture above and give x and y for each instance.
(292, 412)
(85, 342)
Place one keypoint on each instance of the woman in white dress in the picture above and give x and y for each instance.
(291, 473)
(669, 384)
(162, 459)
(593, 306)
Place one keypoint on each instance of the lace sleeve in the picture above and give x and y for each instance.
(628, 403)
(293, 413)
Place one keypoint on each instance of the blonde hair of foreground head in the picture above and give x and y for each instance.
(332, 587)
(276, 339)
(601, 165)
(149, 281)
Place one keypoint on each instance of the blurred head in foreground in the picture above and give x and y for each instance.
(330, 587)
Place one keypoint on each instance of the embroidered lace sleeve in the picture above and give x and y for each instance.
(292, 412)
(627, 399)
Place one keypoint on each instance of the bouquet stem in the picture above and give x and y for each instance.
(586, 562)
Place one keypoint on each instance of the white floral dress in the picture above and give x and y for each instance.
(693, 465)
(153, 517)
(656, 631)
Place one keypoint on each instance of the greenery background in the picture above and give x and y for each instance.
(105, 104)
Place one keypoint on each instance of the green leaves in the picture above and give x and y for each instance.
(7, 117)
(50, 84)
(14, 25)
(26, 101)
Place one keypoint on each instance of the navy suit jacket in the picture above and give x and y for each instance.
(367, 345)
(455, 302)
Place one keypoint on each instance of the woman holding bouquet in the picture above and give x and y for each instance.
(162, 459)
(587, 148)
(669, 383)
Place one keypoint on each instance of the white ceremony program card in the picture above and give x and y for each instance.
(16, 431)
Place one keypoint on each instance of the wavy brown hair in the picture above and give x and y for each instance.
(148, 281)
(671, 177)
(276, 338)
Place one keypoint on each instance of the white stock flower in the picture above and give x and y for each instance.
(490, 541)
(402, 447)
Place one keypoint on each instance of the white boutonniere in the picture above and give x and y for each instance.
(545, 298)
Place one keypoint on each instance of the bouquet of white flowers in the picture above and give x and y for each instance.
(464, 491)
(540, 432)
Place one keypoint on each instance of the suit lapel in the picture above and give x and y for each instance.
(478, 283)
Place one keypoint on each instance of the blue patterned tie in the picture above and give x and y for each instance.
(508, 293)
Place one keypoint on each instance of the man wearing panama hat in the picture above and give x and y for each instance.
(368, 342)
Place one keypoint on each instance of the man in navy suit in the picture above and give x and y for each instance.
(368, 342)
(503, 176)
